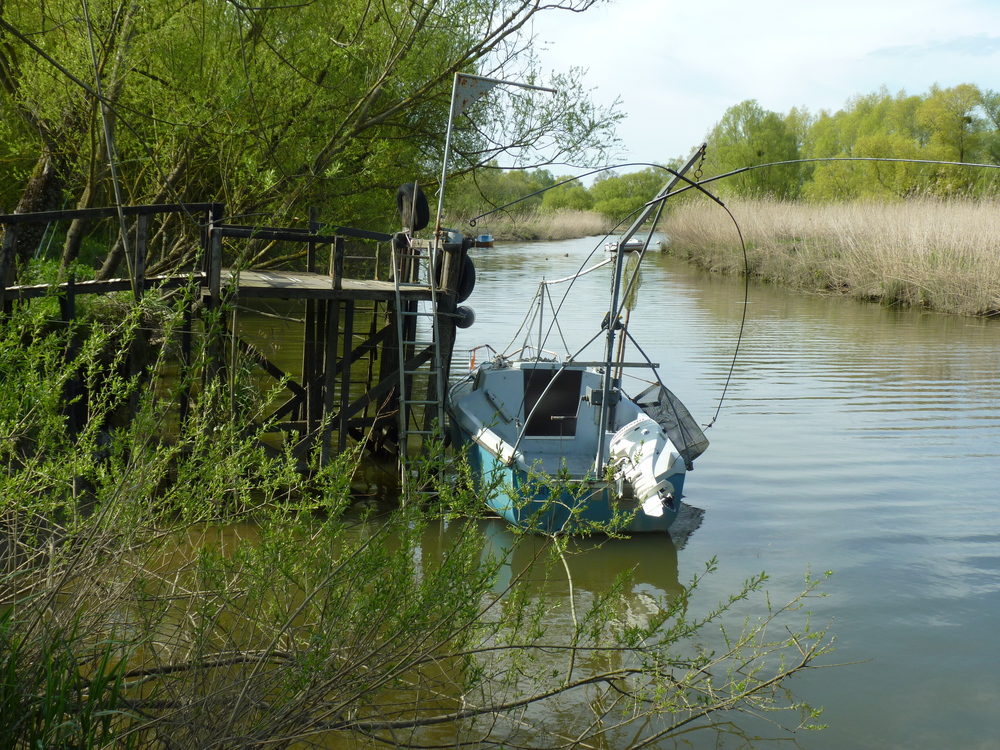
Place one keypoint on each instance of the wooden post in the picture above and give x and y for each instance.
(213, 331)
(7, 263)
(309, 337)
(311, 246)
(139, 267)
(215, 262)
(337, 263)
(320, 327)
(345, 374)
(329, 376)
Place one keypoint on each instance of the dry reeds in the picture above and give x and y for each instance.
(934, 254)
(548, 225)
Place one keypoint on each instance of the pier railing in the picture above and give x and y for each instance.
(323, 396)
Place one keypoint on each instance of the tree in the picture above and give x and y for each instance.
(618, 196)
(991, 138)
(953, 120)
(273, 108)
(568, 194)
(944, 124)
(748, 135)
(493, 187)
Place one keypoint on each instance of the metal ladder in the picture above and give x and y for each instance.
(419, 348)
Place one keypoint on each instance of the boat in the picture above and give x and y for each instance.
(557, 445)
(484, 240)
(630, 245)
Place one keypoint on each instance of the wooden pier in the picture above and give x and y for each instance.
(332, 401)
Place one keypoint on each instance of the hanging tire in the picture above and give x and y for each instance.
(410, 199)
(467, 281)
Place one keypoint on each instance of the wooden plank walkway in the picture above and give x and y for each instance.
(303, 285)
(246, 284)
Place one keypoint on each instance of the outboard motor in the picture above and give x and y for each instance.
(645, 460)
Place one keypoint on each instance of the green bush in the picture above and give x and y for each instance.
(173, 585)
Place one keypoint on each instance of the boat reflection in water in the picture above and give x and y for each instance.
(649, 562)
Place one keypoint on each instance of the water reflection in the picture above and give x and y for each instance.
(855, 438)
(648, 563)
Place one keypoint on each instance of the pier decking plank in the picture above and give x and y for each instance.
(249, 284)
(303, 285)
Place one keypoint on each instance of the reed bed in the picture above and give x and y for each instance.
(536, 225)
(932, 254)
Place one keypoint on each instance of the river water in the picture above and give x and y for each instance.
(853, 438)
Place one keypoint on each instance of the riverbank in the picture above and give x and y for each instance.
(936, 255)
(548, 225)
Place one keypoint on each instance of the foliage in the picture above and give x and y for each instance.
(619, 196)
(569, 194)
(516, 191)
(200, 591)
(271, 109)
(746, 136)
(867, 150)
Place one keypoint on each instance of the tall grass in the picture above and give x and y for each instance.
(933, 254)
(540, 225)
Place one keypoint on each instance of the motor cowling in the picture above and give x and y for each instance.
(644, 459)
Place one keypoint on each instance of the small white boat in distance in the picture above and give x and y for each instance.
(630, 245)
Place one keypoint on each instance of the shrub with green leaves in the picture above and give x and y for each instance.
(177, 585)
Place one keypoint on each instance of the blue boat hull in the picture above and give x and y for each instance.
(546, 505)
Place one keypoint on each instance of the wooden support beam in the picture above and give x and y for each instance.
(7, 262)
(329, 378)
(139, 267)
(309, 333)
(314, 386)
(345, 374)
(337, 264)
(214, 329)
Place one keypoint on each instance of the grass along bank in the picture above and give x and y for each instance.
(538, 225)
(932, 254)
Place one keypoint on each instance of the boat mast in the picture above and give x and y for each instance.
(612, 318)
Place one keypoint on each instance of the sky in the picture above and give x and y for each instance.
(678, 65)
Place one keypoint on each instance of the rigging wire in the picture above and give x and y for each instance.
(743, 318)
(691, 184)
(699, 185)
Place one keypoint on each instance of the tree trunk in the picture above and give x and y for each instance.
(44, 192)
